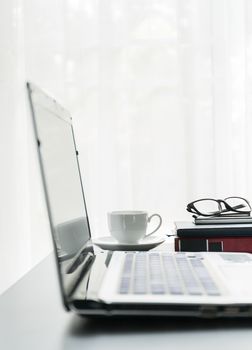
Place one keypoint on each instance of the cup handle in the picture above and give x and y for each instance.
(160, 223)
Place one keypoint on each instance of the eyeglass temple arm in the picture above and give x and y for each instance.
(239, 206)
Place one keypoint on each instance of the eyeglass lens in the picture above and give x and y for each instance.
(208, 206)
(238, 203)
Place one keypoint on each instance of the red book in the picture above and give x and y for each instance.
(215, 244)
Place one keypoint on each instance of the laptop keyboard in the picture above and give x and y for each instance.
(165, 273)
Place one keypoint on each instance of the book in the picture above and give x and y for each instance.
(212, 220)
(217, 244)
(190, 229)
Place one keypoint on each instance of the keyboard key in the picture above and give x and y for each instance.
(124, 286)
(157, 289)
(140, 287)
(191, 284)
(128, 264)
(204, 277)
(176, 290)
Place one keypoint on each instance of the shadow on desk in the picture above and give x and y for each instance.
(157, 334)
(80, 326)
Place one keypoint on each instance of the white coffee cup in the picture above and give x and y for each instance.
(130, 226)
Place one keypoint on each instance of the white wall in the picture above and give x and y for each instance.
(160, 95)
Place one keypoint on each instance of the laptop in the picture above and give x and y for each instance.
(117, 283)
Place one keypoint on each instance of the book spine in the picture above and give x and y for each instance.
(217, 244)
(201, 231)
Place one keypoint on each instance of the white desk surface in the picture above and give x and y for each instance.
(32, 317)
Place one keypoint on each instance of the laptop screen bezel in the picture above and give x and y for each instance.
(47, 102)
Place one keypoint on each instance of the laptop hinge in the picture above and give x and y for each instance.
(79, 270)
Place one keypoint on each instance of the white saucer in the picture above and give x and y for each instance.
(109, 243)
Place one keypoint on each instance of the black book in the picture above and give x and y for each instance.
(189, 229)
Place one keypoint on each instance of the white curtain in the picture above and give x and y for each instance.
(160, 94)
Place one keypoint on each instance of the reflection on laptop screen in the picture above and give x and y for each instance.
(62, 180)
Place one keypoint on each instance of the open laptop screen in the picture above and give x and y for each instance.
(62, 181)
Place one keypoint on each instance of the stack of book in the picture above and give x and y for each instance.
(214, 236)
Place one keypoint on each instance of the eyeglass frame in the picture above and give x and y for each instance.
(191, 208)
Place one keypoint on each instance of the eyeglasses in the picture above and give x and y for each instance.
(217, 207)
